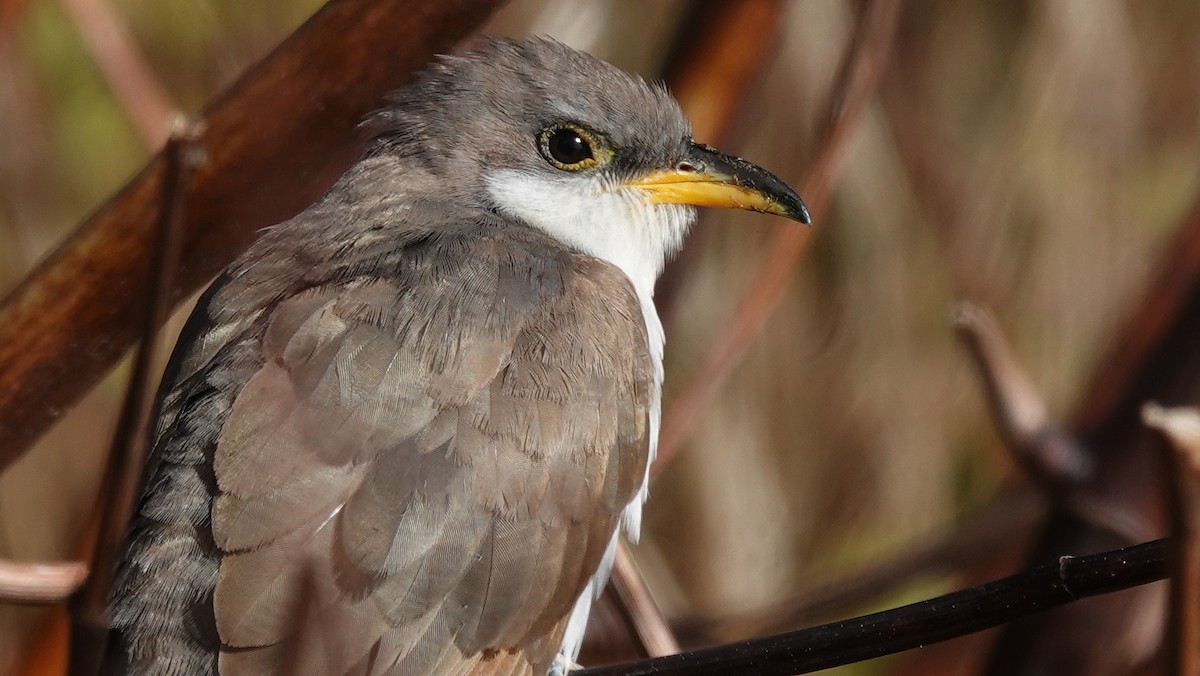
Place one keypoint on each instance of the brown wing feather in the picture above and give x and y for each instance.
(430, 464)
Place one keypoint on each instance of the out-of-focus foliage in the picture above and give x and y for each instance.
(1065, 134)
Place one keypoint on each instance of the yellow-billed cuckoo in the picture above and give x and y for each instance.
(400, 433)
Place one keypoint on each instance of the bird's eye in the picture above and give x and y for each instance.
(571, 148)
(566, 146)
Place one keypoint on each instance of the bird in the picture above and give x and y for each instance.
(402, 433)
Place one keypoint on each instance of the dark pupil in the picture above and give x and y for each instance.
(568, 147)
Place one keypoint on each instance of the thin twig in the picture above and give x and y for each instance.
(861, 73)
(1048, 453)
(952, 615)
(132, 80)
(638, 607)
(1181, 465)
(39, 582)
(127, 453)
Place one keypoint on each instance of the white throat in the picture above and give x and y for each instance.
(609, 222)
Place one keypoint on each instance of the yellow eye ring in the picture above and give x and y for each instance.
(573, 148)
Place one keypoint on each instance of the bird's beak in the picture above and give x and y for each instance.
(708, 178)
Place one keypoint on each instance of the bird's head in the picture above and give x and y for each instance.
(562, 141)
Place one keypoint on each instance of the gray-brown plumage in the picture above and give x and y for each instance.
(399, 433)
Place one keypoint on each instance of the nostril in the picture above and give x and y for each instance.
(686, 166)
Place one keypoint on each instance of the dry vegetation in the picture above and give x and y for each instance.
(1036, 158)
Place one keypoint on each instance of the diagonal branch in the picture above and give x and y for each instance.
(276, 139)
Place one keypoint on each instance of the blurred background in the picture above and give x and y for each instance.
(1032, 156)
